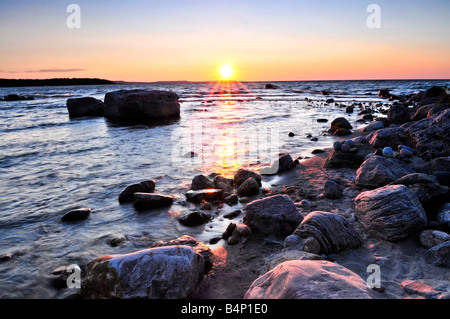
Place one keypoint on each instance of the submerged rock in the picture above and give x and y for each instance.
(333, 232)
(194, 218)
(170, 272)
(391, 212)
(76, 215)
(273, 215)
(309, 279)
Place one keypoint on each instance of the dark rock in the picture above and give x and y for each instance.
(194, 218)
(229, 231)
(378, 171)
(232, 214)
(440, 164)
(437, 109)
(391, 136)
(85, 106)
(291, 134)
(248, 188)
(422, 112)
(271, 86)
(432, 135)
(209, 195)
(127, 195)
(317, 151)
(214, 240)
(384, 93)
(443, 216)
(76, 215)
(282, 164)
(116, 241)
(342, 132)
(242, 174)
(368, 117)
(349, 109)
(231, 199)
(332, 190)
(223, 183)
(333, 232)
(141, 105)
(337, 146)
(5, 257)
(329, 101)
(190, 241)
(341, 159)
(388, 152)
(435, 91)
(439, 256)
(274, 215)
(430, 238)
(151, 200)
(340, 123)
(377, 125)
(201, 182)
(322, 120)
(391, 212)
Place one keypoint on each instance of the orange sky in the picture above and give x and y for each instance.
(174, 40)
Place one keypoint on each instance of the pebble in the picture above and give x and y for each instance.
(387, 152)
(337, 146)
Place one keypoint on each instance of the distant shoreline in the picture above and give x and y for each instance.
(52, 82)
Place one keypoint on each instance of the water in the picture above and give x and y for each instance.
(50, 164)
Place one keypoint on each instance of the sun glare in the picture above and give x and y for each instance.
(226, 72)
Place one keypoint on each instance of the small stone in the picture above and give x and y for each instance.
(229, 230)
(387, 152)
(151, 200)
(214, 240)
(232, 214)
(332, 190)
(317, 151)
(291, 134)
(194, 218)
(406, 152)
(337, 146)
(231, 199)
(243, 230)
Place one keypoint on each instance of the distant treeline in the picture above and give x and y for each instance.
(51, 82)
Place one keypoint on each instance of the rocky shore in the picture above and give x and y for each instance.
(367, 218)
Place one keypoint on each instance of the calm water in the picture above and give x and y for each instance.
(50, 164)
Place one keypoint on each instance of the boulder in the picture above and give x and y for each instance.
(333, 232)
(270, 86)
(242, 174)
(432, 136)
(208, 195)
(170, 272)
(274, 215)
(190, 241)
(127, 194)
(342, 158)
(151, 201)
(374, 126)
(391, 212)
(391, 136)
(398, 114)
(309, 279)
(437, 109)
(141, 105)
(421, 112)
(201, 182)
(378, 171)
(332, 190)
(248, 188)
(85, 106)
(279, 258)
(76, 215)
(384, 93)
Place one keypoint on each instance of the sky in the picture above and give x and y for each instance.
(190, 40)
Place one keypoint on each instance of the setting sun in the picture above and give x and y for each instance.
(226, 72)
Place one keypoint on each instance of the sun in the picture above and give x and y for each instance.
(226, 72)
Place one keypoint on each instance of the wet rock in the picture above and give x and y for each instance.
(115, 241)
(270, 86)
(76, 215)
(309, 279)
(229, 231)
(201, 182)
(274, 215)
(231, 199)
(328, 101)
(349, 109)
(232, 214)
(440, 164)
(5, 257)
(170, 272)
(377, 125)
(282, 164)
(333, 232)
(439, 256)
(248, 188)
(432, 136)
(384, 93)
(221, 182)
(192, 219)
(340, 123)
(151, 200)
(437, 109)
(422, 112)
(406, 152)
(276, 259)
(430, 238)
(391, 212)
(127, 195)
(291, 134)
(332, 190)
(141, 105)
(84, 106)
(349, 159)
(242, 174)
(209, 195)
(190, 241)
(342, 132)
(378, 171)
(423, 288)
(322, 120)
(443, 216)
(337, 146)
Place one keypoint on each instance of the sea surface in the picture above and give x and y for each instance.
(51, 164)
